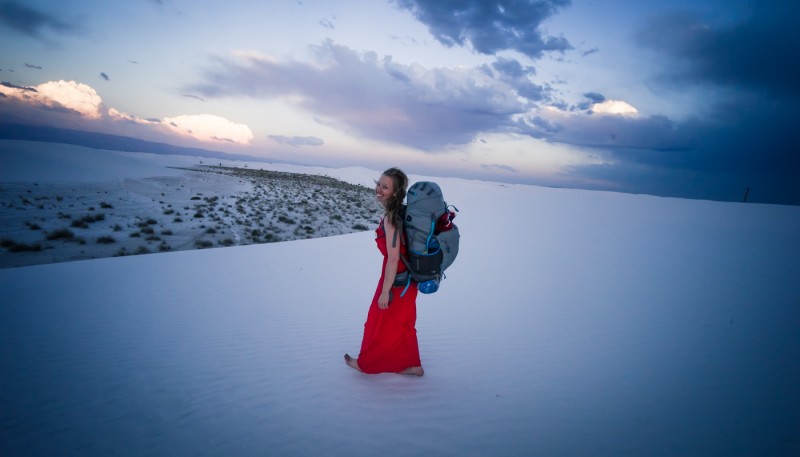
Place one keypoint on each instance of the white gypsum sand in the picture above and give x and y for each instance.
(98, 213)
(572, 323)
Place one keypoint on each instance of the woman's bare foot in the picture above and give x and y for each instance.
(353, 363)
(416, 371)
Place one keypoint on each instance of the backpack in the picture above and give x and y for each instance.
(430, 236)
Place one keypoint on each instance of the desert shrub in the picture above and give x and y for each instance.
(169, 211)
(106, 240)
(135, 235)
(61, 234)
(164, 247)
(255, 232)
(13, 246)
(177, 219)
(33, 226)
(211, 230)
(227, 242)
(360, 227)
(195, 198)
(286, 220)
(121, 252)
(106, 205)
(166, 232)
(198, 215)
(79, 224)
(152, 238)
(93, 218)
(142, 250)
(148, 230)
(117, 228)
(202, 244)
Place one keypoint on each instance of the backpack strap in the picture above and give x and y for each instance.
(399, 227)
(394, 236)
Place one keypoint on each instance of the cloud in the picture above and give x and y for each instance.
(496, 166)
(749, 67)
(490, 26)
(513, 73)
(207, 127)
(194, 97)
(30, 21)
(69, 95)
(35, 67)
(379, 98)
(327, 24)
(614, 107)
(75, 105)
(760, 51)
(612, 132)
(104, 76)
(591, 51)
(297, 140)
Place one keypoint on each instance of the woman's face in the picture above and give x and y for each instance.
(384, 190)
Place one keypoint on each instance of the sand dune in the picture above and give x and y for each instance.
(573, 323)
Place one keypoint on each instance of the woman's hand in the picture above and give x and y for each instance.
(384, 299)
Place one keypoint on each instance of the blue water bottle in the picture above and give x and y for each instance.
(428, 287)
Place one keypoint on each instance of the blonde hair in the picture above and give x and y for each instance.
(394, 205)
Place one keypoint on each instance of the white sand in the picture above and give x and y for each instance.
(112, 203)
(573, 323)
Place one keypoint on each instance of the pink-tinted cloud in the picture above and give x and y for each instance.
(84, 109)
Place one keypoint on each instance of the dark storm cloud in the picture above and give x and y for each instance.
(754, 62)
(377, 97)
(760, 52)
(654, 133)
(297, 140)
(490, 26)
(30, 21)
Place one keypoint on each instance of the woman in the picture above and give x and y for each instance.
(390, 338)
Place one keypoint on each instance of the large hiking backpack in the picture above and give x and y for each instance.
(430, 236)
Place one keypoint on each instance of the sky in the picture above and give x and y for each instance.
(679, 98)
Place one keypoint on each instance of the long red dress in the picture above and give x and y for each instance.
(390, 337)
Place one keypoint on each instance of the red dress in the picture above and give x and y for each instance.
(390, 337)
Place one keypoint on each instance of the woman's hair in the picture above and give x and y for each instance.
(395, 204)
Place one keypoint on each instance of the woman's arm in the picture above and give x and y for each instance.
(393, 255)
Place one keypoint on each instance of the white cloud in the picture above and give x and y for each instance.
(615, 107)
(207, 127)
(83, 100)
(59, 94)
(117, 115)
